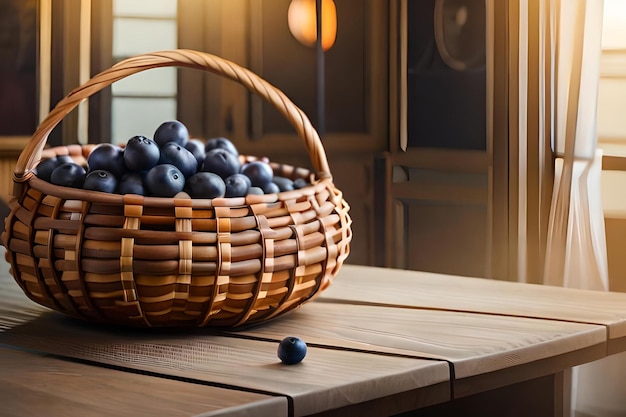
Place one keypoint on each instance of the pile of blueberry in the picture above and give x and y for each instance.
(166, 165)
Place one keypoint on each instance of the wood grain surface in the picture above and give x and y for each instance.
(39, 385)
(327, 379)
(473, 343)
(380, 341)
(414, 289)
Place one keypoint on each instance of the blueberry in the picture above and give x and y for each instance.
(205, 185)
(131, 183)
(172, 131)
(100, 180)
(68, 175)
(237, 185)
(107, 157)
(196, 147)
(180, 157)
(221, 162)
(284, 184)
(164, 180)
(255, 190)
(291, 350)
(64, 159)
(260, 173)
(44, 168)
(300, 183)
(222, 143)
(270, 188)
(141, 154)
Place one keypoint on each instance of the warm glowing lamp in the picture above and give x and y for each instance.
(302, 22)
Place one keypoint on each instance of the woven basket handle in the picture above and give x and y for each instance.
(31, 154)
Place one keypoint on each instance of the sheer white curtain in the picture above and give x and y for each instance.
(576, 245)
(569, 34)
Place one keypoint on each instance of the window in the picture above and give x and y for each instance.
(612, 87)
(141, 26)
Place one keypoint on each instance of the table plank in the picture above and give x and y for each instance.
(414, 289)
(327, 379)
(15, 307)
(39, 385)
(475, 344)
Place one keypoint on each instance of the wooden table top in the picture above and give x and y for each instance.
(380, 342)
(424, 290)
(475, 345)
(42, 385)
(328, 378)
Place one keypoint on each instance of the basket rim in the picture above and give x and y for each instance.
(181, 199)
(315, 186)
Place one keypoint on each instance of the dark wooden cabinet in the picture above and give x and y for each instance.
(255, 34)
(416, 143)
(446, 187)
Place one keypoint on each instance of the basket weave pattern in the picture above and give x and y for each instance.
(147, 261)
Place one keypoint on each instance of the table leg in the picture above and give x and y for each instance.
(544, 396)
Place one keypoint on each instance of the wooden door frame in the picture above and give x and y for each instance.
(500, 159)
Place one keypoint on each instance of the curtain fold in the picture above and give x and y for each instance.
(576, 245)
(569, 33)
(576, 255)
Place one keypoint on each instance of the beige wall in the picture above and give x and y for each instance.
(612, 136)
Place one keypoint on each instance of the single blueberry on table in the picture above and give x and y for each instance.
(291, 350)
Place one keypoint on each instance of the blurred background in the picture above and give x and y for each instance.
(413, 105)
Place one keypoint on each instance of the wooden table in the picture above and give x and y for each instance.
(423, 290)
(381, 342)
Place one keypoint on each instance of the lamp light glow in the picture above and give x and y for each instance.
(301, 18)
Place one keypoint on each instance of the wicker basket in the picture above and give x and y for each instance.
(175, 262)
